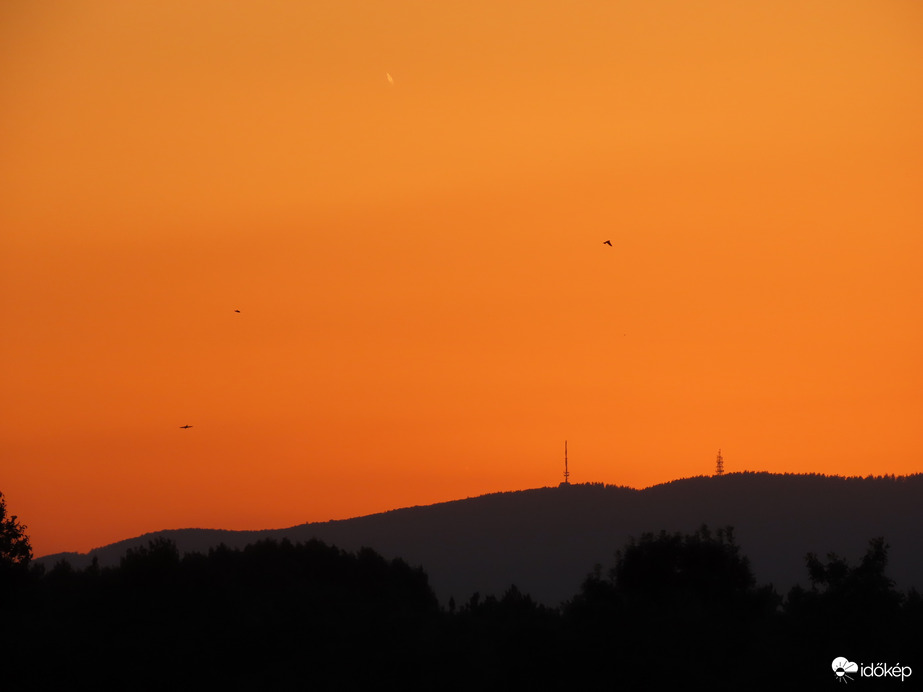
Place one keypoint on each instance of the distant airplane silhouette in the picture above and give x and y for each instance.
(185, 426)
(607, 242)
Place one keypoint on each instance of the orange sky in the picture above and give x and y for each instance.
(427, 308)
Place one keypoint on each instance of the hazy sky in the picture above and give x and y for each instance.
(427, 309)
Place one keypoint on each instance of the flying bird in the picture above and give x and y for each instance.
(185, 426)
(237, 311)
(607, 242)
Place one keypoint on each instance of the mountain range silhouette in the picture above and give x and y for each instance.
(546, 540)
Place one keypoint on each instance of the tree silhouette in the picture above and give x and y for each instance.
(14, 543)
(865, 581)
(848, 605)
(701, 565)
(671, 603)
(15, 555)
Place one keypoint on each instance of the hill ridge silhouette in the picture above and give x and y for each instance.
(546, 540)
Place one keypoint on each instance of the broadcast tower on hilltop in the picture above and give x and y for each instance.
(566, 472)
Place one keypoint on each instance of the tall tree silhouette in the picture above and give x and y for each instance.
(14, 543)
(15, 554)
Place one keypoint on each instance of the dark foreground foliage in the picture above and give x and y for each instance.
(265, 617)
(674, 610)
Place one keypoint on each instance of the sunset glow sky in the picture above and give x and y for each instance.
(427, 309)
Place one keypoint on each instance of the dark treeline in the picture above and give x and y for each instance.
(673, 609)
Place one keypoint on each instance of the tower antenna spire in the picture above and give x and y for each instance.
(719, 465)
(566, 472)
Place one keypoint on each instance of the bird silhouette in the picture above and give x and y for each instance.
(607, 242)
(185, 426)
(237, 311)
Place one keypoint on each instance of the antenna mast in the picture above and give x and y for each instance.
(719, 465)
(566, 472)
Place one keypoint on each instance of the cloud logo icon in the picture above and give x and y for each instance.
(841, 666)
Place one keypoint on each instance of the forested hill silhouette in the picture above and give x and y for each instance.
(546, 540)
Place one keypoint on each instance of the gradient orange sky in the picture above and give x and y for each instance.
(427, 308)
